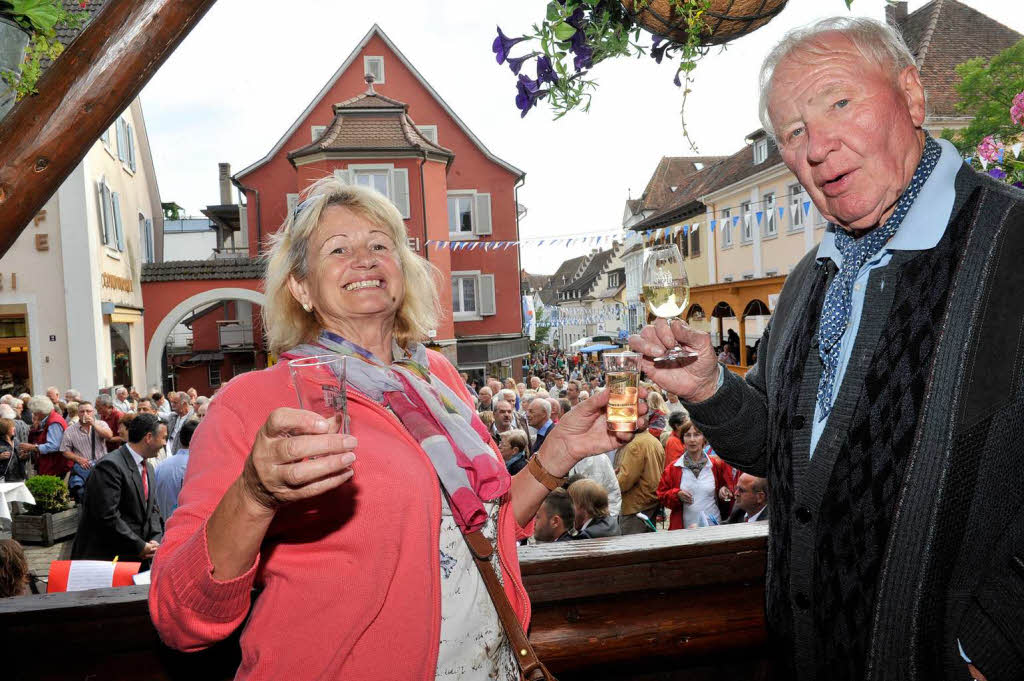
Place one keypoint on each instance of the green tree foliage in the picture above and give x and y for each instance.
(986, 90)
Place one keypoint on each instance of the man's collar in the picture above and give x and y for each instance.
(927, 218)
(138, 457)
(546, 427)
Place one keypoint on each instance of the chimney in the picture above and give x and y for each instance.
(225, 183)
(895, 12)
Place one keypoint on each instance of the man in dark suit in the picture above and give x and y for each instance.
(751, 498)
(120, 516)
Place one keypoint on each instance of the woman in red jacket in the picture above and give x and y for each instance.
(690, 485)
(351, 559)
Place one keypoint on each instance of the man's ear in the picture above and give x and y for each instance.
(912, 90)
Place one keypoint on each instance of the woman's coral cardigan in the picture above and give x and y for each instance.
(349, 582)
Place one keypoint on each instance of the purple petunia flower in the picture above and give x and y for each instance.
(677, 81)
(516, 63)
(997, 173)
(1018, 185)
(584, 58)
(576, 19)
(528, 92)
(545, 72)
(657, 49)
(502, 44)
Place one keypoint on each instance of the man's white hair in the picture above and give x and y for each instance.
(509, 395)
(7, 411)
(40, 404)
(876, 40)
(545, 405)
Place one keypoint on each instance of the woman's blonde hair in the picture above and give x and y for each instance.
(655, 401)
(591, 497)
(285, 322)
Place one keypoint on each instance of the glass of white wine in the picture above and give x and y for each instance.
(667, 293)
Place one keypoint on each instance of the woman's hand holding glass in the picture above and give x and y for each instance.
(694, 382)
(297, 455)
(583, 431)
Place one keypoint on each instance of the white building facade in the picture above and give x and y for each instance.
(71, 312)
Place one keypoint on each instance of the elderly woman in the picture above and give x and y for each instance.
(691, 485)
(351, 558)
(12, 462)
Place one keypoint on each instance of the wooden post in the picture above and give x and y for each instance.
(46, 136)
(743, 338)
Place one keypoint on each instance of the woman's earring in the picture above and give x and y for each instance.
(307, 307)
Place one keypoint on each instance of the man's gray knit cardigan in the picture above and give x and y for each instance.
(951, 567)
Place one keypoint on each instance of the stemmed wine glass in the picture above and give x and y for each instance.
(667, 293)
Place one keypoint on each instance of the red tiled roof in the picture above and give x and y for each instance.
(672, 173)
(371, 122)
(944, 34)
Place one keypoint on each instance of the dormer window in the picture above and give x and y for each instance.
(760, 150)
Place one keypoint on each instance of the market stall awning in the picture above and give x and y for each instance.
(581, 342)
(599, 347)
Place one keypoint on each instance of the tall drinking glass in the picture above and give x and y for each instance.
(622, 380)
(666, 293)
(319, 383)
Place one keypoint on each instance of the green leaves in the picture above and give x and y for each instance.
(564, 31)
(39, 15)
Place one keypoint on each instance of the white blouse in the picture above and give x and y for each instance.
(473, 644)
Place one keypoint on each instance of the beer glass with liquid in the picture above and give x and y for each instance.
(622, 381)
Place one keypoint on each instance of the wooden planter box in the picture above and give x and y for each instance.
(46, 528)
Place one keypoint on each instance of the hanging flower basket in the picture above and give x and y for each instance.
(724, 20)
(13, 41)
(577, 35)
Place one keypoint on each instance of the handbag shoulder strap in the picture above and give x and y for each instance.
(533, 669)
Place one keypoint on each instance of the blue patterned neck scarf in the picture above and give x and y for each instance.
(835, 313)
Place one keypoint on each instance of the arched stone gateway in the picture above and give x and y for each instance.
(155, 352)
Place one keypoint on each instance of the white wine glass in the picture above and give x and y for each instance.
(667, 293)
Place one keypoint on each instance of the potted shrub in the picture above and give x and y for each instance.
(28, 37)
(52, 517)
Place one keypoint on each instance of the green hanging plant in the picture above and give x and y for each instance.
(40, 18)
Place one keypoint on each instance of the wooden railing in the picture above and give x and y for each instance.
(670, 605)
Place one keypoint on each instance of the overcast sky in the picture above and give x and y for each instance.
(250, 68)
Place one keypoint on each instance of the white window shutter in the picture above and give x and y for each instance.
(400, 190)
(118, 226)
(150, 241)
(121, 144)
(482, 214)
(343, 175)
(486, 304)
(101, 202)
(131, 146)
(293, 202)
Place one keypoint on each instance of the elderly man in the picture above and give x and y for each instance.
(85, 444)
(145, 406)
(751, 497)
(112, 417)
(538, 414)
(121, 401)
(485, 403)
(885, 401)
(505, 419)
(44, 439)
(556, 408)
(182, 413)
(202, 404)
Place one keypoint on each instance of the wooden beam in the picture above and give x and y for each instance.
(46, 136)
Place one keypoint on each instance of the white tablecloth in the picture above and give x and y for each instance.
(13, 491)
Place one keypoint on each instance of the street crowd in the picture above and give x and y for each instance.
(99, 448)
(666, 476)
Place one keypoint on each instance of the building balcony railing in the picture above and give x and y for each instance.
(229, 253)
(235, 334)
(179, 343)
